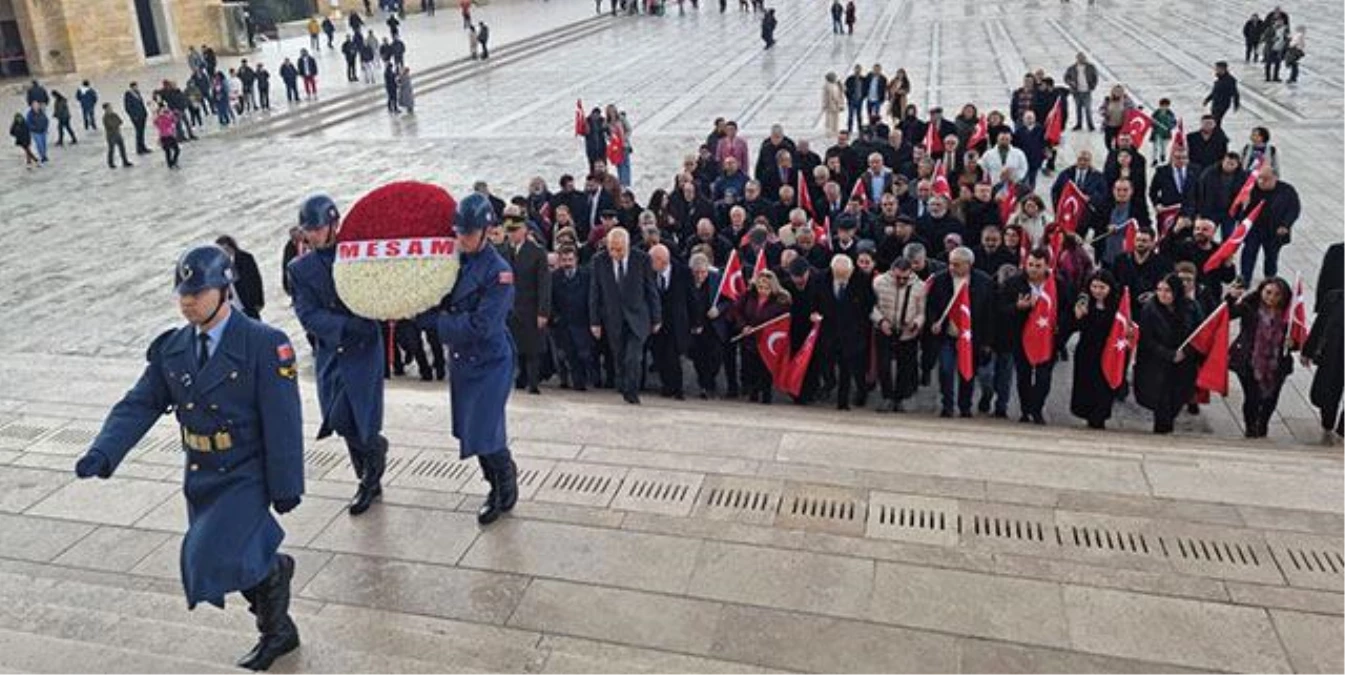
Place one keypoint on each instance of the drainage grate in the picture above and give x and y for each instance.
(1202, 550)
(666, 492)
(434, 470)
(72, 436)
(322, 459)
(580, 482)
(1102, 539)
(532, 476)
(586, 484)
(1320, 562)
(827, 509)
(1308, 561)
(747, 500)
(741, 500)
(1007, 528)
(22, 432)
(922, 519)
(440, 469)
(925, 520)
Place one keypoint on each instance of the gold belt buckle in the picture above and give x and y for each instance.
(223, 441)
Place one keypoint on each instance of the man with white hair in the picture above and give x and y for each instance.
(671, 340)
(624, 308)
(943, 290)
(852, 292)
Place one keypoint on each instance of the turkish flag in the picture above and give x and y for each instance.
(823, 234)
(1298, 315)
(1055, 123)
(1069, 211)
(580, 121)
(805, 197)
(1231, 245)
(941, 186)
(932, 141)
(1115, 351)
(1211, 340)
(760, 264)
(773, 346)
(1166, 217)
(1056, 241)
(859, 191)
(960, 317)
(616, 148)
(1039, 329)
(1137, 124)
(732, 285)
(980, 134)
(1131, 228)
(790, 380)
(1245, 192)
(1178, 139)
(1007, 200)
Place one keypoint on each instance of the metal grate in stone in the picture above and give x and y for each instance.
(1006, 528)
(745, 500)
(73, 439)
(322, 460)
(666, 492)
(585, 484)
(72, 436)
(158, 449)
(925, 520)
(1321, 562)
(1308, 561)
(435, 470)
(1103, 539)
(532, 475)
(19, 435)
(1209, 550)
(827, 509)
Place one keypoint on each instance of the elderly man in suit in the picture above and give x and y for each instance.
(673, 338)
(624, 304)
(532, 298)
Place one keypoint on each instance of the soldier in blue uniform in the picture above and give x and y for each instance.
(472, 322)
(231, 382)
(348, 350)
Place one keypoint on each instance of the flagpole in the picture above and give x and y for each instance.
(952, 301)
(1199, 328)
(757, 328)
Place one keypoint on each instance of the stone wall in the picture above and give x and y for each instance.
(98, 36)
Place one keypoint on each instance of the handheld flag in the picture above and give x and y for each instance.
(1055, 123)
(1178, 141)
(580, 121)
(773, 346)
(1137, 124)
(961, 319)
(732, 285)
(1115, 352)
(1069, 211)
(1210, 338)
(1245, 192)
(1298, 316)
(940, 184)
(981, 134)
(1233, 243)
(790, 380)
(1039, 329)
(805, 197)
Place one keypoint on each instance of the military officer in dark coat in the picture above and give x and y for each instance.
(348, 350)
(230, 381)
(532, 300)
(471, 321)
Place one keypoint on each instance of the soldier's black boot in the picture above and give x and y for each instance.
(270, 601)
(503, 477)
(371, 479)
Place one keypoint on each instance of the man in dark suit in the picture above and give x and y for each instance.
(673, 338)
(1174, 184)
(781, 173)
(811, 295)
(134, 103)
(852, 291)
(938, 306)
(596, 201)
(569, 323)
(532, 299)
(1108, 216)
(624, 305)
(1208, 144)
(1083, 175)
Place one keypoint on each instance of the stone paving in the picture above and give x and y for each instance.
(692, 537)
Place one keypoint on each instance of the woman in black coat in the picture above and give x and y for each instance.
(248, 285)
(1165, 374)
(768, 28)
(23, 138)
(595, 137)
(686, 208)
(1094, 314)
(1259, 356)
(1325, 349)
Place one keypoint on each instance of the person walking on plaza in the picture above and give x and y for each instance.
(232, 385)
(308, 69)
(474, 330)
(1273, 227)
(88, 102)
(23, 138)
(1294, 52)
(1224, 94)
(942, 294)
(473, 42)
(290, 76)
(483, 38)
(531, 309)
(165, 122)
(1090, 396)
(263, 86)
(1324, 349)
(406, 93)
(248, 279)
(351, 53)
(60, 111)
(390, 87)
(1081, 79)
(1165, 374)
(833, 104)
(1276, 39)
(112, 131)
(38, 125)
(134, 105)
(837, 13)
(850, 17)
(1259, 356)
(1251, 39)
(314, 30)
(368, 52)
(329, 29)
(768, 28)
(36, 93)
(624, 305)
(347, 350)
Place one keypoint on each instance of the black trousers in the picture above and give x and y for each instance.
(850, 368)
(1034, 384)
(264, 95)
(668, 362)
(756, 380)
(575, 358)
(116, 145)
(732, 372)
(898, 366)
(350, 71)
(1258, 404)
(140, 146)
(292, 91)
(707, 357)
(171, 150)
(529, 370)
(628, 356)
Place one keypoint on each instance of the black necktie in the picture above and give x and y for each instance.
(1181, 178)
(663, 282)
(203, 352)
(621, 271)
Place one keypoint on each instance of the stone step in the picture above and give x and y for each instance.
(449, 645)
(30, 653)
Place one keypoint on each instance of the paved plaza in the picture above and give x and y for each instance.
(682, 536)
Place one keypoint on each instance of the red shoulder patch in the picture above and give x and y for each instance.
(506, 277)
(285, 352)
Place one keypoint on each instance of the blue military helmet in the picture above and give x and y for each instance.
(203, 267)
(474, 214)
(318, 212)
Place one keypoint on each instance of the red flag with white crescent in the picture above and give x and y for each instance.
(805, 197)
(1055, 123)
(791, 379)
(1166, 217)
(981, 134)
(580, 121)
(1069, 211)
(960, 316)
(1210, 338)
(1039, 329)
(860, 192)
(732, 285)
(941, 186)
(1007, 198)
(1178, 141)
(1118, 346)
(1298, 315)
(1233, 243)
(1131, 228)
(932, 140)
(1245, 192)
(1137, 124)
(773, 346)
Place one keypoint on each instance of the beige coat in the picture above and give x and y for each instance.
(833, 104)
(895, 303)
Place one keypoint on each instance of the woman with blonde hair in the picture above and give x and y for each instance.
(764, 300)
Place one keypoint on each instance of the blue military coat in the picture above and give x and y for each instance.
(245, 402)
(481, 351)
(348, 353)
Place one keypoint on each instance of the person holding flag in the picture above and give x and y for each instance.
(959, 299)
(1030, 301)
(762, 310)
(1106, 334)
(1277, 206)
(1165, 372)
(1260, 354)
(1324, 349)
(898, 315)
